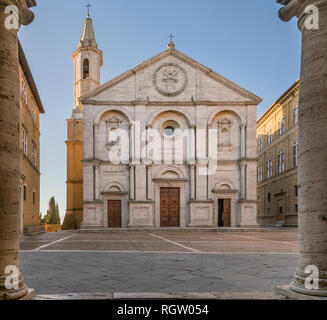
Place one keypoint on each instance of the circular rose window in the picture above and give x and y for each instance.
(169, 131)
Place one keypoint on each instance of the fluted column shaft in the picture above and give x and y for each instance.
(312, 164)
(9, 149)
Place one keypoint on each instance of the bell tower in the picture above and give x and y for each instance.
(87, 59)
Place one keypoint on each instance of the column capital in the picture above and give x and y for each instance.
(301, 9)
(26, 16)
(290, 9)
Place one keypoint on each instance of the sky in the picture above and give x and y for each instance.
(243, 41)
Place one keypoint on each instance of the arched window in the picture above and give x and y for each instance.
(86, 69)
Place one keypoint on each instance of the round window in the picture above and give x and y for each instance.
(169, 131)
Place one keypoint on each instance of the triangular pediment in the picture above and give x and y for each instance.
(171, 76)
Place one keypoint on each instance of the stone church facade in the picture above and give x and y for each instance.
(134, 172)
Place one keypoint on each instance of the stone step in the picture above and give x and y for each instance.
(280, 224)
(164, 296)
(218, 230)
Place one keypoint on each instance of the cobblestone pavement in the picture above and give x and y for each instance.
(69, 262)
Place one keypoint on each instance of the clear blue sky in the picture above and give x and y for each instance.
(242, 40)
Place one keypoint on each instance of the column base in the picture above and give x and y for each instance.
(286, 291)
(28, 294)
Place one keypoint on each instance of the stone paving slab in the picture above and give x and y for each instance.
(207, 242)
(163, 262)
(93, 272)
(244, 246)
(116, 246)
(192, 230)
(164, 296)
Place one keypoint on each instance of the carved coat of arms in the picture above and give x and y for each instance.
(170, 79)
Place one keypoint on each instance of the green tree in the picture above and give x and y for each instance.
(52, 216)
(57, 214)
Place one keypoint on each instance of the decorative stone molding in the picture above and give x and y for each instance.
(224, 191)
(170, 79)
(184, 114)
(170, 180)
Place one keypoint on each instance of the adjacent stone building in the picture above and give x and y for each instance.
(30, 109)
(139, 117)
(277, 136)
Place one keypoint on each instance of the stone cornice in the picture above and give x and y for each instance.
(168, 103)
(170, 180)
(114, 193)
(92, 201)
(201, 201)
(277, 140)
(248, 160)
(82, 49)
(224, 191)
(289, 93)
(277, 177)
(141, 201)
(29, 77)
(242, 161)
(247, 201)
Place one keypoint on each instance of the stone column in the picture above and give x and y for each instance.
(149, 182)
(9, 150)
(96, 181)
(192, 178)
(243, 181)
(312, 166)
(243, 141)
(131, 182)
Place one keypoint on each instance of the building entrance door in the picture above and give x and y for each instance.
(280, 211)
(169, 207)
(114, 213)
(224, 207)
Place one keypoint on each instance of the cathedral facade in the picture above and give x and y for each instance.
(169, 143)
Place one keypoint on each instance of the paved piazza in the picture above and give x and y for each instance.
(159, 261)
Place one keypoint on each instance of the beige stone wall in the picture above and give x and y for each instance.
(30, 172)
(281, 186)
(206, 102)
